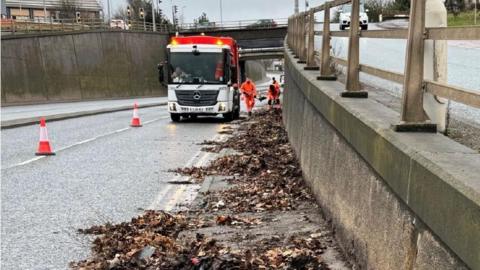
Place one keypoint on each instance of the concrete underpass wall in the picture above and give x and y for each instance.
(255, 70)
(81, 66)
(396, 200)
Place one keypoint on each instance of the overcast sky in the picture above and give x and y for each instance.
(233, 10)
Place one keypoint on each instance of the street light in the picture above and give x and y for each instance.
(475, 14)
(221, 13)
(153, 16)
(109, 16)
(44, 11)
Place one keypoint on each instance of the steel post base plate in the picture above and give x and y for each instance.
(354, 94)
(415, 127)
(327, 78)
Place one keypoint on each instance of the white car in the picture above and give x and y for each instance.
(118, 24)
(345, 13)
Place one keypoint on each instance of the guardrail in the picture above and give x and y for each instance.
(65, 25)
(9, 26)
(300, 39)
(233, 25)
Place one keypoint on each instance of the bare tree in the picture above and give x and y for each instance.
(375, 8)
(135, 6)
(67, 9)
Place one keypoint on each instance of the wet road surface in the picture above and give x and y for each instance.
(103, 171)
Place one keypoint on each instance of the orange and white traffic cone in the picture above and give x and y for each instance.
(136, 118)
(44, 148)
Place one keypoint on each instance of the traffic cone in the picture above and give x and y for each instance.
(135, 119)
(44, 145)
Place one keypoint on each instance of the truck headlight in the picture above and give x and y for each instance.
(222, 106)
(172, 106)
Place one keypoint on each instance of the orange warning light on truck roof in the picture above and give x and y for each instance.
(208, 40)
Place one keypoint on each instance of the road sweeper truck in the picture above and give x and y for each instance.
(202, 74)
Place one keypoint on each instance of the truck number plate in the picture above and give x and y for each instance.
(196, 109)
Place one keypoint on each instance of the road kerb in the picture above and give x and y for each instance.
(62, 116)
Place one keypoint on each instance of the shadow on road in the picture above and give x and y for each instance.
(206, 119)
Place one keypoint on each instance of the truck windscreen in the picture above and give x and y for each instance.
(197, 68)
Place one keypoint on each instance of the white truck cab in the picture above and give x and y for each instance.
(202, 78)
(344, 17)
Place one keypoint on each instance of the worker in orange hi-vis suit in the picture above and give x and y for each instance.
(277, 91)
(249, 91)
(271, 95)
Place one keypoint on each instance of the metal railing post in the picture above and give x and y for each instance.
(303, 38)
(288, 33)
(413, 116)
(311, 64)
(326, 72)
(294, 34)
(353, 87)
(296, 39)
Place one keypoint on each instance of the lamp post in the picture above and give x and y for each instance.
(475, 14)
(221, 13)
(44, 11)
(109, 16)
(153, 16)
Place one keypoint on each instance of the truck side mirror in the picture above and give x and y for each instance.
(161, 77)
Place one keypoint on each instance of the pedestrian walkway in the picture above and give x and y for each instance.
(28, 114)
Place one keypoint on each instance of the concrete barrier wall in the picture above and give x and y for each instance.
(255, 70)
(396, 200)
(81, 66)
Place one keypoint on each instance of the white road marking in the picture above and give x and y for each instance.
(159, 198)
(81, 142)
(178, 194)
(26, 161)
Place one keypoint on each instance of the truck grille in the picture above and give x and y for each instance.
(196, 97)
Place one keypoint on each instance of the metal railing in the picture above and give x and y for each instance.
(232, 25)
(9, 26)
(66, 25)
(301, 35)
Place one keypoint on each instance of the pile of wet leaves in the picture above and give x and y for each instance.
(265, 169)
(151, 241)
(132, 244)
(265, 176)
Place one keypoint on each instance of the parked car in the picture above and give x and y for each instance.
(118, 24)
(263, 24)
(344, 17)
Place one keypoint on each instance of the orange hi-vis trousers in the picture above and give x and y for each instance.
(249, 102)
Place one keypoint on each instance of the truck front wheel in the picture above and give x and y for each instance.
(236, 113)
(175, 117)
(229, 116)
